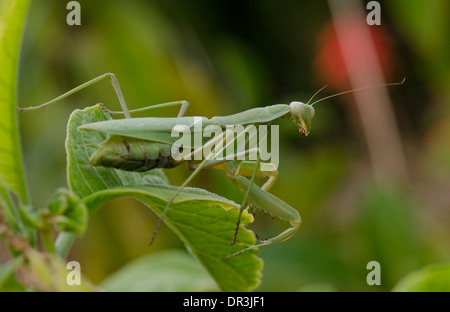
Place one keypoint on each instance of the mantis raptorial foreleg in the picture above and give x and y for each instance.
(221, 142)
(271, 205)
(251, 169)
(246, 169)
(269, 170)
(244, 204)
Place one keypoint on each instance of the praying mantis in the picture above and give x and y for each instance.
(142, 144)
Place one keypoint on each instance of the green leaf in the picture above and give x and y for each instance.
(9, 208)
(70, 214)
(395, 244)
(85, 180)
(46, 272)
(66, 211)
(434, 278)
(31, 217)
(8, 281)
(204, 221)
(12, 18)
(172, 270)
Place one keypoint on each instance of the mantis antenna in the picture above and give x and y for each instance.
(363, 88)
(316, 93)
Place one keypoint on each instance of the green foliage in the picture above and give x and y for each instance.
(388, 228)
(434, 278)
(49, 273)
(426, 25)
(12, 185)
(12, 16)
(170, 270)
(69, 213)
(8, 282)
(31, 217)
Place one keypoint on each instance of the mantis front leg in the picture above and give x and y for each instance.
(241, 168)
(253, 170)
(261, 199)
(270, 204)
(260, 169)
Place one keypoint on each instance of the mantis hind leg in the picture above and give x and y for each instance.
(183, 107)
(110, 76)
(115, 83)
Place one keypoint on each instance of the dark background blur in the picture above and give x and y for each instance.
(368, 187)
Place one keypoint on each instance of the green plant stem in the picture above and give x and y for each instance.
(64, 243)
(12, 20)
(48, 239)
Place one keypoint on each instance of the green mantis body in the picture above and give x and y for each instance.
(141, 144)
(130, 147)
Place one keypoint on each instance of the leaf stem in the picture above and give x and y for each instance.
(63, 243)
(48, 240)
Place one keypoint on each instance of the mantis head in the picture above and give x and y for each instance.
(302, 114)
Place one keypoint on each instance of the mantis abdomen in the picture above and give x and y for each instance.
(132, 154)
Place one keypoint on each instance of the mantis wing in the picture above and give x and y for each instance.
(160, 129)
(150, 128)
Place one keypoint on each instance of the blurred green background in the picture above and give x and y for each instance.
(228, 56)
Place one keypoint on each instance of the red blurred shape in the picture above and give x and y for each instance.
(329, 64)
